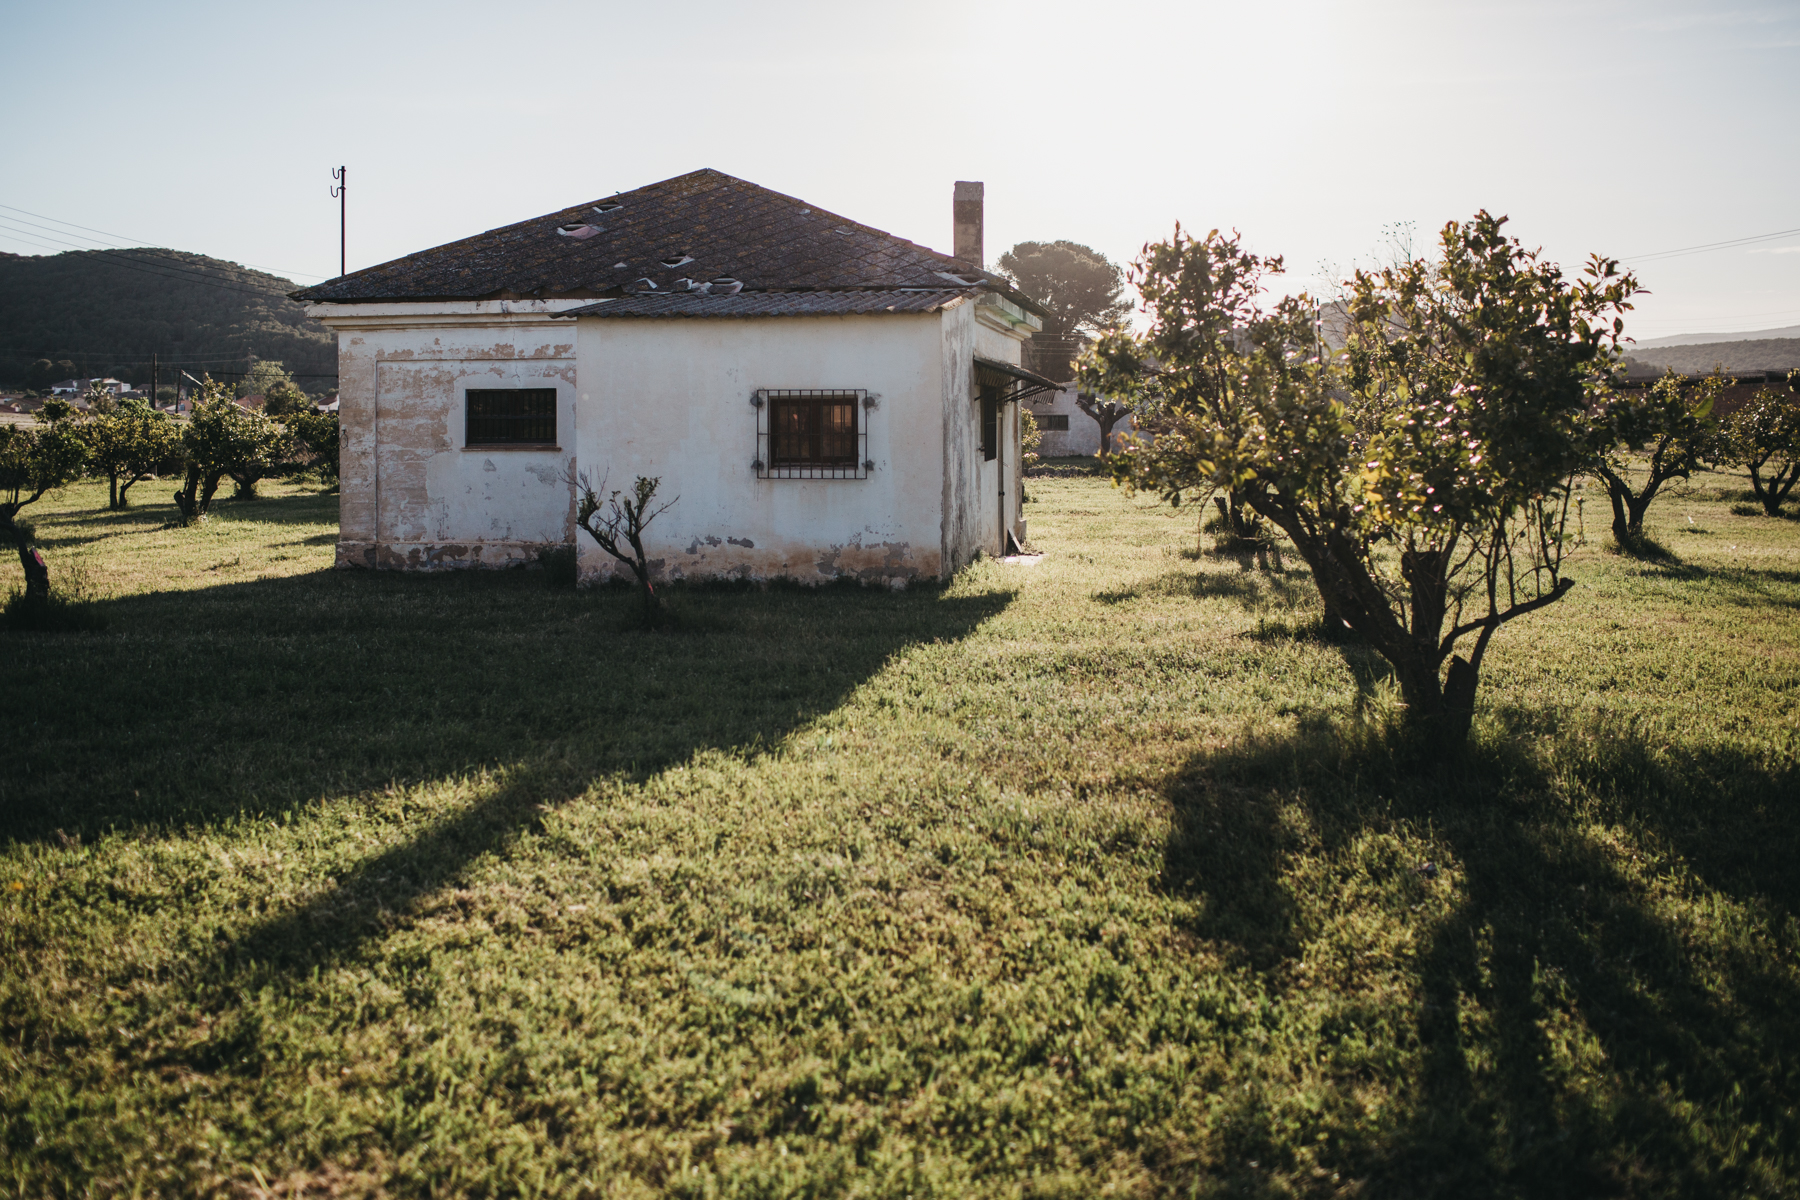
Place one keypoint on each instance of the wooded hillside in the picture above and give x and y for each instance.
(1766, 354)
(107, 312)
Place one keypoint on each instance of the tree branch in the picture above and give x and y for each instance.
(1557, 592)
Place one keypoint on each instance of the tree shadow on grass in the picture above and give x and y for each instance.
(1605, 1004)
(1756, 587)
(1252, 589)
(101, 524)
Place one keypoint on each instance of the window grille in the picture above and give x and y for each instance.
(510, 416)
(1053, 422)
(812, 434)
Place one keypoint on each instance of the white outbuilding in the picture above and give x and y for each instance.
(826, 400)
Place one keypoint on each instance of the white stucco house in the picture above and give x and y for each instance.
(827, 400)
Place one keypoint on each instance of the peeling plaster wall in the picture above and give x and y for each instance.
(413, 497)
(668, 398)
(671, 398)
(964, 518)
(978, 511)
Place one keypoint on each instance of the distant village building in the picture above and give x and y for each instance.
(1064, 429)
(79, 387)
(827, 401)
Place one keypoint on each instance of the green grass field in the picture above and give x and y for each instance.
(1088, 878)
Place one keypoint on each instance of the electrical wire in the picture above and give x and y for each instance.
(16, 237)
(137, 358)
(157, 269)
(128, 238)
(134, 250)
(1708, 247)
(164, 274)
(182, 264)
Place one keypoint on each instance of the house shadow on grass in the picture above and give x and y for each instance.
(261, 699)
(1603, 1000)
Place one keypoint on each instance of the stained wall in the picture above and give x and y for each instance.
(673, 399)
(412, 494)
(669, 398)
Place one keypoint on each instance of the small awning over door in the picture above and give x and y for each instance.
(1012, 383)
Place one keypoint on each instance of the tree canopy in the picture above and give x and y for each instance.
(222, 438)
(1653, 435)
(35, 460)
(1764, 438)
(129, 443)
(1082, 289)
(1424, 472)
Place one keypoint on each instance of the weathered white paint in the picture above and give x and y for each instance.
(1001, 329)
(411, 495)
(672, 398)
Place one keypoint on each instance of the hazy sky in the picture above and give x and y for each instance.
(1626, 128)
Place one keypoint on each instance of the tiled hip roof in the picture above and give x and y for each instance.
(704, 226)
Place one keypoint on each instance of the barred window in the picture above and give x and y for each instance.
(1053, 422)
(812, 433)
(511, 416)
(808, 431)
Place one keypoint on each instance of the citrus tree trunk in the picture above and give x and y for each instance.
(1628, 516)
(37, 574)
(1440, 704)
(1772, 491)
(1438, 713)
(1628, 506)
(196, 494)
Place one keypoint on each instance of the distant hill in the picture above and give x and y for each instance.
(1768, 354)
(1704, 339)
(107, 312)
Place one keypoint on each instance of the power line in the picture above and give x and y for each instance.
(155, 269)
(181, 263)
(1721, 317)
(152, 268)
(185, 270)
(1709, 246)
(19, 237)
(128, 238)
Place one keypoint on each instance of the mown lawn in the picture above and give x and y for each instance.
(1089, 878)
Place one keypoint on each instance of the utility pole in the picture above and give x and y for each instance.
(153, 378)
(337, 192)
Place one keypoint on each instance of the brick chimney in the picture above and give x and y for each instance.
(966, 217)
